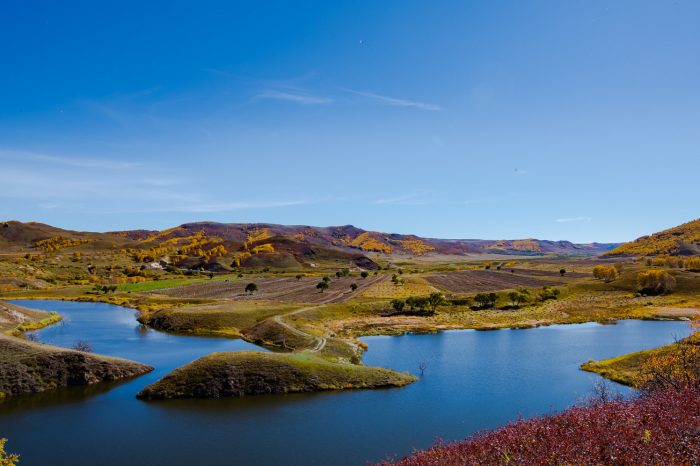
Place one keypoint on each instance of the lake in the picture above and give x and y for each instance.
(473, 380)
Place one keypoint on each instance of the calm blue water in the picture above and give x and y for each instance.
(473, 380)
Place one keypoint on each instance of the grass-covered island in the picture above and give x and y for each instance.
(241, 373)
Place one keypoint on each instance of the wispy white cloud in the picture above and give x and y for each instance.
(394, 101)
(76, 162)
(86, 185)
(301, 98)
(573, 219)
(406, 199)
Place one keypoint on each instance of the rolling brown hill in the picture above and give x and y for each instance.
(683, 240)
(219, 246)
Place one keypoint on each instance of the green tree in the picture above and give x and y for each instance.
(486, 300)
(562, 272)
(436, 299)
(300, 276)
(353, 286)
(322, 285)
(410, 302)
(326, 279)
(398, 304)
(517, 297)
(364, 274)
(420, 302)
(251, 288)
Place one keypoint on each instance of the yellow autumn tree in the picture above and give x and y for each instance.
(605, 273)
(676, 366)
(693, 264)
(655, 282)
(7, 459)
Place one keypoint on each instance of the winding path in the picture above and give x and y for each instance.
(320, 341)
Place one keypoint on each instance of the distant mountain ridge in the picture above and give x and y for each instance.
(683, 240)
(346, 237)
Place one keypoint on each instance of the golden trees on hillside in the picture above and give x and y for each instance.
(693, 264)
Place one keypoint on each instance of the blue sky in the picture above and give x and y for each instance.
(553, 119)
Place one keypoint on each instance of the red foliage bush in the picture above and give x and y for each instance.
(659, 428)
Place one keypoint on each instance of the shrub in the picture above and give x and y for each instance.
(7, 459)
(485, 300)
(548, 293)
(251, 288)
(82, 346)
(693, 264)
(660, 428)
(398, 304)
(517, 297)
(677, 369)
(655, 282)
(435, 299)
(322, 285)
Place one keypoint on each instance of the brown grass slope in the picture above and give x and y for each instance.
(681, 240)
(28, 367)
(19, 236)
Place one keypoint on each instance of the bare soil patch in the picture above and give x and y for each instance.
(477, 281)
(284, 289)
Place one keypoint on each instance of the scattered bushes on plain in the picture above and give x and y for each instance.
(419, 305)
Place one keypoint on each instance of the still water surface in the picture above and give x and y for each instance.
(473, 380)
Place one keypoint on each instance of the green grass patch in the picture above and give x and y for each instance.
(53, 318)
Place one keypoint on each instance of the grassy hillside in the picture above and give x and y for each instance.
(255, 373)
(28, 367)
(680, 240)
(221, 247)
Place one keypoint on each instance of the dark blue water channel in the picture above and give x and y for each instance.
(473, 380)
